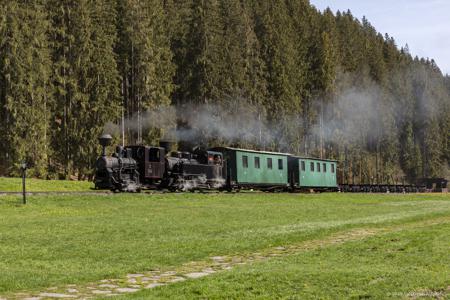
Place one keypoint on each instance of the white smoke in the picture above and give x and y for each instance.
(360, 112)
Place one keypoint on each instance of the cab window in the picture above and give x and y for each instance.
(280, 164)
(311, 166)
(154, 155)
(303, 165)
(217, 159)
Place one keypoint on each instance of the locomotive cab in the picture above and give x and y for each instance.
(151, 163)
(209, 157)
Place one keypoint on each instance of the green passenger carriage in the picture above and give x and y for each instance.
(258, 169)
(312, 173)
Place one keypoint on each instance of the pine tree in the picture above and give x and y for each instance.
(85, 78)
(24, 87)
(144, 61)
(242, 72)
(279, 54)
(101, 85)
(410, 155)
(202, 59)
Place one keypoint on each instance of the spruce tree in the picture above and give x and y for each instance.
(85, 78)
(202, 58)
(144, 60)
(25, 88)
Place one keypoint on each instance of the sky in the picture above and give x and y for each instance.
(422, 24)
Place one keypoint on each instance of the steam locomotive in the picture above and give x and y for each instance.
(133, 168)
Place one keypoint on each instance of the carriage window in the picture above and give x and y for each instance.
(269, 163)
(324, 167)
(245, 161)
(332, 168)
(153, 155)
(312, 166)
(257, 162)
(303, 165)
(280, 164)
(318, 167)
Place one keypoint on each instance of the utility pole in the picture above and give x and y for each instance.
(260, 130)
(123, 116)
(23, 167)
(321, 130)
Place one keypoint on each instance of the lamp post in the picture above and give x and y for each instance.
(23, 167)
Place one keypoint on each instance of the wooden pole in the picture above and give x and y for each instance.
(24, 173)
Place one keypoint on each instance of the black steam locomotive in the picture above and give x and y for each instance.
(132, 168)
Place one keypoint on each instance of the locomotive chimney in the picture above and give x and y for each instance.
(104, 140)
(167, 145)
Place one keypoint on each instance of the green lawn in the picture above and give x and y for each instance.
(410, 264)
(8, 184)
(57, 240)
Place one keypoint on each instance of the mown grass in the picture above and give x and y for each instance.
(404, 265)
(8, 184)
(55, 240)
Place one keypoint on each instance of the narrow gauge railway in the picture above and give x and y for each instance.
(138, 167)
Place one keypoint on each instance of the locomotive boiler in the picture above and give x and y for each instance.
(118, 172)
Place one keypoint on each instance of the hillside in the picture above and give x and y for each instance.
(273, 75)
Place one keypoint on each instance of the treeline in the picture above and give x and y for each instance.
(68, 67)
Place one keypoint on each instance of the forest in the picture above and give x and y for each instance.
(274, 75)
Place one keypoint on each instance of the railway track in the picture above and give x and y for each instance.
(2, 193)
(103, 192)
(342, 188)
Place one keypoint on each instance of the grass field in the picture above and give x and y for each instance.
(410, 264)
(76, 239)
(8, 184)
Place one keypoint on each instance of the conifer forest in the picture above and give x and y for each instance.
(274, 75)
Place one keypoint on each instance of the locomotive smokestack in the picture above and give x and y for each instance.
(167, 145)
(105, 140)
